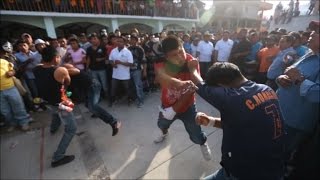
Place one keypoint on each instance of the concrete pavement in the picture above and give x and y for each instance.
(129, 155)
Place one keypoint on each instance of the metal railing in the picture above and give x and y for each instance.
(121, 7)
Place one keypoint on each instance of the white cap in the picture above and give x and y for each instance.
(39, 41)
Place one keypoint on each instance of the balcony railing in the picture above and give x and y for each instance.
(162, 8)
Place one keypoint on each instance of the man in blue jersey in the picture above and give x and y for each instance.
(252, 123)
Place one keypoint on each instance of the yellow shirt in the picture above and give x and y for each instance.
(5, 82)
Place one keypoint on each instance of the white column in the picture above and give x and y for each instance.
(48, 22)
(114, 24)
(159, 27)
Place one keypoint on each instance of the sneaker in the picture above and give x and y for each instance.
(160, 138)
(206, 152)
(115, 128)
(64, 160)
(25, 127)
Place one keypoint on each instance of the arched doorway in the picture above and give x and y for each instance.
(78, 28)
(13, 30)
(142, 28)
(175, 28)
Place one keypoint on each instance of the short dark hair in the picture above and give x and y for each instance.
(135, 37)
(288, 38)
(222, 73)
(170, 43)
(48, 53)
(21, 41)
(295, 35)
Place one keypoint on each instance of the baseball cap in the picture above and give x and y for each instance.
(39, 41)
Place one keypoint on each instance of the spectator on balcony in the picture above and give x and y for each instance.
(223, 48)
(311, 6)
(142, 7)
(277, 13)
(300, 49)
(204, 53)
(150, 7)
(122, 6)
(108, 5)
(296, 9)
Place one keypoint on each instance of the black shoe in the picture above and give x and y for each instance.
(52, 132)
(94, 116)
(64, 160)
(115, 128)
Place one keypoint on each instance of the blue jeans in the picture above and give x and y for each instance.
(101, 76)
(94, 107)
(221, 174)
(136, 77)
(70, 128)
(188, 118)
(12, 107)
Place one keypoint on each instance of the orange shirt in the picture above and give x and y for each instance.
(263, 57)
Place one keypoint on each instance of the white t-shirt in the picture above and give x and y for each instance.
(121, 72)
(77, 56)
(224, 49)
(205, 49)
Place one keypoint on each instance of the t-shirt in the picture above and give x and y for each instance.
(263, 56)
(169, 96)
(205, 49)
(240, 47)
(93, 54)
(22, 58)
(138, 57)
(77, 57)
(48, 87)
(252, 123)
(224, 49)
(5, 82)
(121, 72)
(255, 48)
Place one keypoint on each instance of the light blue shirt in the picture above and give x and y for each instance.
(22, 57)
(254, 51)
(300, 104)
(279, 65)
(301, 50)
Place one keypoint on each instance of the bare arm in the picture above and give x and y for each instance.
(61, 75)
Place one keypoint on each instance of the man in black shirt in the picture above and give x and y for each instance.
(241, 48)
(139, 63)
(49, 80)
(96, 62)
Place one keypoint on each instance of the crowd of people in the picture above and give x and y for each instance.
(265, 84)
(284, 15)
(170, 8)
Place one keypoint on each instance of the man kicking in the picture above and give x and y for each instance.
(177, 94)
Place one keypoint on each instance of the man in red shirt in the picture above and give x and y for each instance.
(177, 93)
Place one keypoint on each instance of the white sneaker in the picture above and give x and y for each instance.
(206, 152)
(160, 138)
